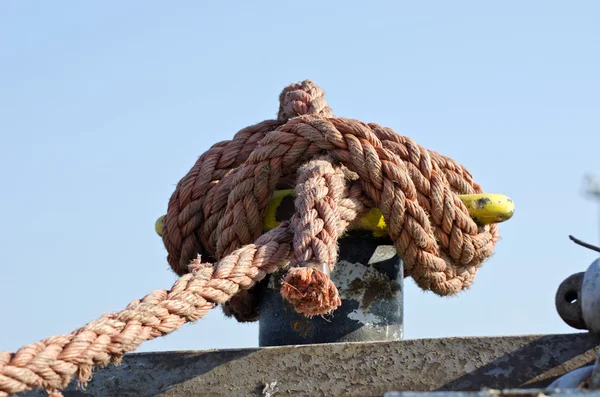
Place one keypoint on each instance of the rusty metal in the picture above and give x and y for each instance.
(348, 369)
(369, 277)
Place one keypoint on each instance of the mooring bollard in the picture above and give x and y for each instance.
(370, 279)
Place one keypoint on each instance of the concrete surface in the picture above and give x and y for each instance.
(348, 369)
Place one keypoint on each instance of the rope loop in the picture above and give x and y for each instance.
(304, 98)
(218, 207)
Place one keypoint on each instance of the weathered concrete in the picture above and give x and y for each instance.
(349, 369)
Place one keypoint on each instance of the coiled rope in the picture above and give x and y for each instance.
(340, 168)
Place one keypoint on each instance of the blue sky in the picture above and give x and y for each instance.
(104, 106)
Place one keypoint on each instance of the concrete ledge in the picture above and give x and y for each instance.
(348, 369)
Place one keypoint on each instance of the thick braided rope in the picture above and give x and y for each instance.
(196, 209)
(416, 190)
(320, 188)
(52, 363)
(199, 200)
(440, 244)
(317, 223)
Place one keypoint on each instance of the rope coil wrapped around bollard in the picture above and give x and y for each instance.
(340, 168)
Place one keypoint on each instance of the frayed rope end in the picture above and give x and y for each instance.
(310, 291)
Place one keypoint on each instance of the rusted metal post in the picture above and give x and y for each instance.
(369, 277)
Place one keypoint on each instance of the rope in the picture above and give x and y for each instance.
(317, 223)
(340, 168)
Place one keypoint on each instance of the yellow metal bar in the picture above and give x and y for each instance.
(485, 209)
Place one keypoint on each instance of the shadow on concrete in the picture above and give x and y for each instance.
(535, 365)
(150, 374)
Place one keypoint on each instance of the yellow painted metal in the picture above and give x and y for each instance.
(270, 220)
(485, 209)
(158, 225)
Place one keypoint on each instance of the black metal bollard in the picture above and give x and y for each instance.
(369, 276)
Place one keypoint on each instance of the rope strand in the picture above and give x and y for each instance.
(54, 362)
(317, 225)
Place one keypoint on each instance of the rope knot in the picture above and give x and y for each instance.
(342, 169)
(304, 98)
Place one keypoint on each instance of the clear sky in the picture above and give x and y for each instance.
(104, 106)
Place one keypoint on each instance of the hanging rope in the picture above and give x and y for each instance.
(340, 168)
